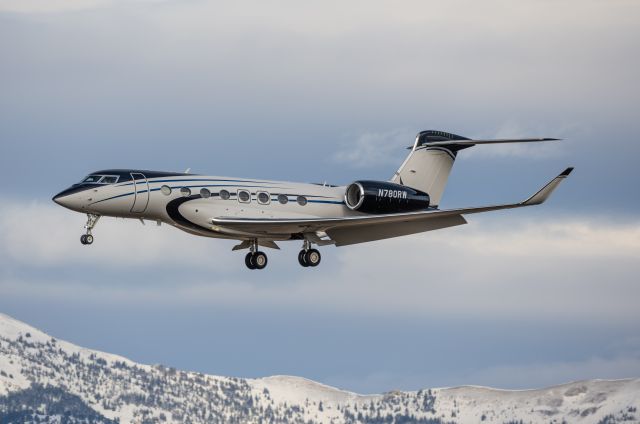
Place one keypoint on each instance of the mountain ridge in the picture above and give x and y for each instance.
(35, 365)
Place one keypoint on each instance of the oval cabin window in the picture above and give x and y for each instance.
(264, 198)
(244, 196)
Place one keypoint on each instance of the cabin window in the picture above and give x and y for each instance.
(224, 195)
(244, 196)
(263, 198)
(205, 193)
(283, 199)
(302, 200)
(166, 190)
(185, 191)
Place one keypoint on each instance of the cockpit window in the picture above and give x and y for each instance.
(109, 179)
(92, 179)
(101, 179)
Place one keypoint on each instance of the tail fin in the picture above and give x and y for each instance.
(429, 164)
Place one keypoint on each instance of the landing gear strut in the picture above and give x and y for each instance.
(308, 256)
(255, 259)
(92, 220)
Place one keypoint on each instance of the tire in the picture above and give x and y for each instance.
(88, 239)
(313, 257)
(248, 261)
(302, 258)
(259, 260)
(83, 239)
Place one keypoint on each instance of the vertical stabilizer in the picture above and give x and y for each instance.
(427, 167)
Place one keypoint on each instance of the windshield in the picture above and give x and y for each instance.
(101, 179)
(109, 179)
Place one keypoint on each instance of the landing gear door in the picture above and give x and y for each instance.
(141, 194)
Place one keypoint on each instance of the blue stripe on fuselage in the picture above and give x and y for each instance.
(220, 185)
(182, 181)
(335, 202)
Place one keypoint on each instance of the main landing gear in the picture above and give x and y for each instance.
(308, 256)
(92, 220)
(255, 259)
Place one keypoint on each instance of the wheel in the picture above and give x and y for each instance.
(313, 257)
(83, 239)
(88, 238)
(248, 261)
(302, 258)
(259, 260)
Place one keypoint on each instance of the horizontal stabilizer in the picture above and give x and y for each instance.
(488, 141)
(454, 142)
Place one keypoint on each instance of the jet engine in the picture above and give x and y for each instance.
(379, 197)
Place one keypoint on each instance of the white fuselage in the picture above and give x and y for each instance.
(189, 202)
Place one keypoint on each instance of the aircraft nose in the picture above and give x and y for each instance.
(62, 199)
(69, 197)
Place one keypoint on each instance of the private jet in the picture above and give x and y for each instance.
(261, 213)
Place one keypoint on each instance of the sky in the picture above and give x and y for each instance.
(328, 91)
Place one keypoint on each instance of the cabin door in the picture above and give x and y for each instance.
(141, 193)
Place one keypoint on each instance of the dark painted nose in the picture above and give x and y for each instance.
(63, 198)
(60, 198)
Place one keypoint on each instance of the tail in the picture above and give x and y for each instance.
(429, 164)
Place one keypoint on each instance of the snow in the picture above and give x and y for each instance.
(27, 352)
(290, 389)
(13, 329)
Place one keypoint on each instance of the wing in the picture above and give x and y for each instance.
(357, 229)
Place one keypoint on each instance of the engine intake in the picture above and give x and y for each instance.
(378, 197)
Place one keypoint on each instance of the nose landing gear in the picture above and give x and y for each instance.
(86, 239)
(92, 220)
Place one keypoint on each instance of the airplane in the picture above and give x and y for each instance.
(260, 213)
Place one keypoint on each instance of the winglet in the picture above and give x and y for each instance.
(543, 194)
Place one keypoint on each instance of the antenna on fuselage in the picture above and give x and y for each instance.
(187, 170)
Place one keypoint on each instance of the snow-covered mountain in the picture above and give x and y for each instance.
(46, 380)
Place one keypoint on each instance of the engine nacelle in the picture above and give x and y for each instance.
(382, 197)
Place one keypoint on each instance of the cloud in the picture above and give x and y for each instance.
(305, 75)
(534, 375)
(371, 149)
(47, 6)
(538, 375)
(496, 268)
(39, 235)
(513, 129)
(61, 6)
